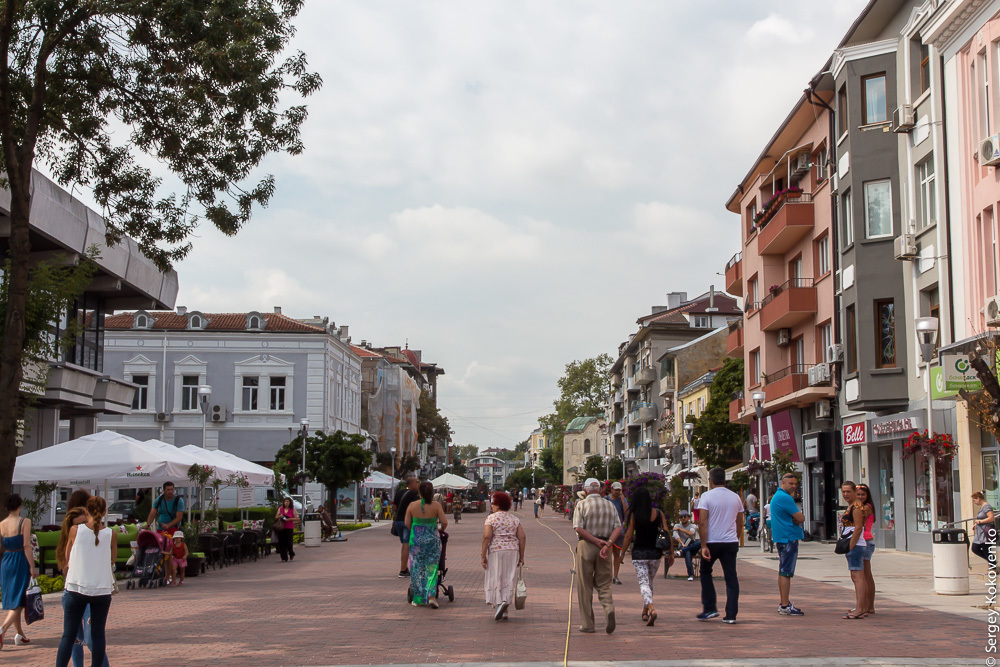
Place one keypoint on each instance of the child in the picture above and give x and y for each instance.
(168, 556)
(180, 554)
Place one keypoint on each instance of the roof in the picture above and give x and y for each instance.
(171, 321)
(578, 424)
(724, 305)
(705, 379)
(365, 353)
(713, 332)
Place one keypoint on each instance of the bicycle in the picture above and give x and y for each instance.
(764, 535)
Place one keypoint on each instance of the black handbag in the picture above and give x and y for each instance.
(392, 529)
(843, 545)
(663, 542)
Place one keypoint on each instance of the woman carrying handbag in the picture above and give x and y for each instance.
(645, 524)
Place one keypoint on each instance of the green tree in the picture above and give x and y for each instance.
(521, 449)
(522, 478)
(431, 424)
(335, 461)
(582, 393)
(595, 467)
(464, 452)
(404, 464)
(95, 90)
(551, 466)
(715, 440)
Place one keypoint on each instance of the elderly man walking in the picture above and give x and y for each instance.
(597, 525)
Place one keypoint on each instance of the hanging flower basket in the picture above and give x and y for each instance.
(654, 481)
(940, 446)
(688, 474)
(755, 468)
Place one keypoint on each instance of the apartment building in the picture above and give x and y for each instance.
(637, 406)
(785, 272)
(584, 437)
(240, 382)
(491, 470)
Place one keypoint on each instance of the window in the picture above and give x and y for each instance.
(253, 322)
(930, 306)
(751, 214)
(701, 405)
(189, 392)
(847, 218)
(823, 255)
(586, 446)
(755, 366)
(799, 349)
(140, 400)
(141, 322)
(885, 334)
(701, 321)
(277, 394)
(195, 321)
(873, 103)
(852, 340)
(925, 67)
(842, 110)
(795, 271)
(928, 196)
(878, 209)
(753, 302)
(983, 76)
(251, 387)
(825, 338)
(819, 161)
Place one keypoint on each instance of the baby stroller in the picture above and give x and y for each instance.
(442, 588)
(150, 567)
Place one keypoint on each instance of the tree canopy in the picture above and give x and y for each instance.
(335, 461)
(715, 440)
(431, 424)
(582, 393)
(595, 467)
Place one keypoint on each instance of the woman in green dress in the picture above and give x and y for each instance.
(376, 507)
(425, 545)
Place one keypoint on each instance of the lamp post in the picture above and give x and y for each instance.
(649, 453)
(304, 432)
(204, 394)
(758, 407)
(607, 467)
(688, 433)
(393, 471)
(534, 463)
(927, 332)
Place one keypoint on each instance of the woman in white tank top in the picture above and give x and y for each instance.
(92, 549)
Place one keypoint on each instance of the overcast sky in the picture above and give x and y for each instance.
(509, 185)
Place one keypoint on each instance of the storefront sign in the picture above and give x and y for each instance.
(958, 373)
(854, 434)
(893, 426)
(938, 390)
(811, 447)
(784, 436)
(897, 426)
(244, 497)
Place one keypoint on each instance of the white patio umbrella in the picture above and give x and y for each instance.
(452, 481)
(378, 480)
(256, 475)
(105, 459)
(190, 457)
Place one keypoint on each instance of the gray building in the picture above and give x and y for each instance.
(266, 373)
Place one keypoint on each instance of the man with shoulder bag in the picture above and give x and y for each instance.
(167, 510)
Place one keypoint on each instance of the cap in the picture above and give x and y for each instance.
(685, 513)
(178, 533)
(591, 481)
(616, 485)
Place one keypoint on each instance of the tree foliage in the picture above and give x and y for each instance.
(464, 452)
(431, 424)
(551, 466)
(335, 461)
(97, 89)
(582, 393)
(715, 440)
(520, 479)
(595, 467)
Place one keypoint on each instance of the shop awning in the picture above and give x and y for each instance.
(735, 469)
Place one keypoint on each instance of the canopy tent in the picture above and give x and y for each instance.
(451, 481)
(105, 459)
(256, 475)
(700, 471)
(739, 467)
(189, 456)
(378, 480)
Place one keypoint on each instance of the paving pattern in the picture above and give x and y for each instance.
(342, 604)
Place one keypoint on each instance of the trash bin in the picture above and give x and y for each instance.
(950, 557)
(311, 530)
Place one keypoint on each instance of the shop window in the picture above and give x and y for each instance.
(852, 339)
(885, 334)
(944, 488)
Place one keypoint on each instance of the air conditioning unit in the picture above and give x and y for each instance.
(989, 151)
(162, 416)
(903, 118)
(905, 247)
(784, 337)
(823, 409)
(834, 353)
(819, 374)
(992, 310)
(218, 413)
(800, 167)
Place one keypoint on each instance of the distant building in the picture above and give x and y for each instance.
(536, 443)
(582, 439)
(491, 470)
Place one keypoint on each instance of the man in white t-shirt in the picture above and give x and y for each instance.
(720, 525)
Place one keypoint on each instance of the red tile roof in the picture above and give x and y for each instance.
(365, 353)
(214, 322)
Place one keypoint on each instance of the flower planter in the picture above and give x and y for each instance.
(195, 566)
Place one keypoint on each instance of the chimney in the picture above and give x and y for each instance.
(711, 300)
(182, 310)
(342, 332)
(676, 299)
(277, 310)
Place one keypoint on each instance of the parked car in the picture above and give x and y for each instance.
(124, 508)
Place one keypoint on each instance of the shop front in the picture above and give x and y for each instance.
(822, 475)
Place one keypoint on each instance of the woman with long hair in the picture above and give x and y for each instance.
(852, 525)
(864, 495)
(16, 568)
(92, 548)
(502, 553)
(644, 522)
(425, 545)
(76, 513)
(286, 513)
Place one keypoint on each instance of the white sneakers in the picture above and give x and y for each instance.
(21, 640)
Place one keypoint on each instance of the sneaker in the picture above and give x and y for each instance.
(501, 610)
(706, 615)
(616, 580)
(690, 578)
(20, 640)
(790, 610)
(728, 620)
(403, 574)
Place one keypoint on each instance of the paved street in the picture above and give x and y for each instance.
(343, 604)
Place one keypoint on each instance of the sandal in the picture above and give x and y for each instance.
(853, 617)
(652, 618)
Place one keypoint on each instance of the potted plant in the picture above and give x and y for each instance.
(940, 446)
(775, 290)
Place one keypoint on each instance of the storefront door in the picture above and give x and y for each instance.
(991, 473)
(886, 535)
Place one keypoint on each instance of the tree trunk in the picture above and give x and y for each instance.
(12, 345)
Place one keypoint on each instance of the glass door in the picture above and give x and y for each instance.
(886, 536)
(991, 488)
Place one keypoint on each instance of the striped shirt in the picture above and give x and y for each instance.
(597, 516)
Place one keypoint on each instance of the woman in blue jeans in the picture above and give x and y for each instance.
(76, 513)
(853, 524)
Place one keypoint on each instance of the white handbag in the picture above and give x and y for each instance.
(520, 591)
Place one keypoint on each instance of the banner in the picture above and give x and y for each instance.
(784, 436)
(958, 373)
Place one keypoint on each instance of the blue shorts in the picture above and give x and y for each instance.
(856, 558)
(788, 556)
(404, 532)
(869, 550)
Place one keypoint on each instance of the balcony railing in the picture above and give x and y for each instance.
(734, 275)
(788, 304)
(785, 381)
(736, 407)
(734, 340)
(641, 413)
(667, 385)
(791, 220)
(645, 376)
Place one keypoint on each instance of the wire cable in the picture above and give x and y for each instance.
(572, 583)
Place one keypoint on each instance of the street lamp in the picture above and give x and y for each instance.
(927, 332)
(758, 407)
(688, 433)
(393, 471)
(649, 453)
(304, 432)
(534, 462)
(204, 394)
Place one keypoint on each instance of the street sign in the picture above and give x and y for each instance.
(958, 373)
(244, 497)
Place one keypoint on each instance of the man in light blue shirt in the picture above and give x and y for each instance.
(786, 530)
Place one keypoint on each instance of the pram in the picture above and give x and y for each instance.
(150, 568)
(442, 571)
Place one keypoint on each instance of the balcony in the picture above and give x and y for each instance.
(668, 385)
(790, 223)
(734, 275)
(788, 304)
(620, 427)
(786, 381)
(631, 385)
(645, 376)
(734, 340)
(736, 407)
(642, 413)
(619, 396)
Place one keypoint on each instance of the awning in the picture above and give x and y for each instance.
(702, 472)
(969, 344)
(673, 470)
(378, 480)
(735, 469)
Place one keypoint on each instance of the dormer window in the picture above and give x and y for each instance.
(255, 322)
(142, 320)
(196, 321)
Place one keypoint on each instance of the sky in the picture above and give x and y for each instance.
(507, 186)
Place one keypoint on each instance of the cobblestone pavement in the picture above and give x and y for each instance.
(342, 604)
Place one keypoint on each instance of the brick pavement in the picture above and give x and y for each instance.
(343, 604)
